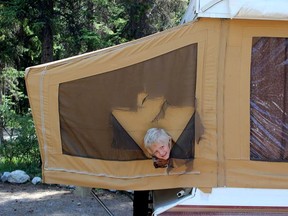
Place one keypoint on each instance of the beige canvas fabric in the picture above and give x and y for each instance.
(199, 69)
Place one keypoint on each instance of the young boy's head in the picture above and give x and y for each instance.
(158, 143)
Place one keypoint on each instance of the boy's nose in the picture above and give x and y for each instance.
(162, 152)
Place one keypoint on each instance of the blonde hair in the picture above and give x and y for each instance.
(156, 135)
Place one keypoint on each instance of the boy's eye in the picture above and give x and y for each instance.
(157, 152)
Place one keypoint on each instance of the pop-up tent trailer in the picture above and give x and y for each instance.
(218, 84)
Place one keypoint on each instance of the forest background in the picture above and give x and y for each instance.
(34, 32)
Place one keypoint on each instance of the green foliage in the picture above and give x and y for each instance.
(84, 26)
(34, 32)
(28, 167)
(19, 144)
(167, 13)
(151, 16)
(19, 46)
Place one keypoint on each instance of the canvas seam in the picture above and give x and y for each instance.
(43, 129)
(121, 177)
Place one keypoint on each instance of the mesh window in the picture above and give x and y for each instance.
(269, 99)
(87, 124)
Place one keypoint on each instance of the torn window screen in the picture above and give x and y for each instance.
(269, 99)
(100, 116)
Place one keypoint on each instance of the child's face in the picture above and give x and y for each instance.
(161, 150)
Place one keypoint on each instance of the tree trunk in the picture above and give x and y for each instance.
(90, 21)
(47, 30)
(138, 25)
(1, 94)
(47, 45)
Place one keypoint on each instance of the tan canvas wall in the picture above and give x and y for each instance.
(44, 84)
(240, 170)
(222, 102)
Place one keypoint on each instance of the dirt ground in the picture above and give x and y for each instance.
(28, 199)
